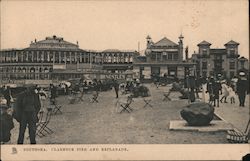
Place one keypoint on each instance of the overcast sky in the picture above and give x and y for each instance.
(100, 25)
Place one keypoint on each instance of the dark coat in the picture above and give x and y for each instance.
(27, 102)
(6, 94)
(216, 87)
(6, 124)
(242, 86)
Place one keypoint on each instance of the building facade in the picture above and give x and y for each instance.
(214, 61)
(163, 58)
(55, 58)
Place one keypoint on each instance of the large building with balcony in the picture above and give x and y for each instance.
(162, 58)
(57, 59)
(225, 61)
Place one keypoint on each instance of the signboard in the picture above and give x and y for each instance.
(147, 72)
(59, 66)
(114, 76)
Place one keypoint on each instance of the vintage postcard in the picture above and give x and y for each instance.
(124, 80)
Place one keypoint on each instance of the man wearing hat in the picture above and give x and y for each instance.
(27, 108)
(242, 88)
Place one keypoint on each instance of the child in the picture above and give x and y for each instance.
(225, 92)
(231, 94)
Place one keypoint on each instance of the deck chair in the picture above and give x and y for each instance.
(235, 136)
(43, 125)
(126, 106)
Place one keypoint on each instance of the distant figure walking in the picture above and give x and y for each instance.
(216, 91)
(242, 88)
(210, 90)
(52, 92)
(116, 87)
(26, 110)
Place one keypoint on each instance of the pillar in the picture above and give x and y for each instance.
(59, 55)
(54, 56)
(70, 61)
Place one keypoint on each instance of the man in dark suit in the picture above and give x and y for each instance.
(27, 107)
(242, 87)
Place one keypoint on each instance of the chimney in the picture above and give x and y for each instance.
(35, 40)
(186, 53)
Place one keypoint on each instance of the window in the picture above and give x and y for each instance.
(232, 65)
(204, 51)
(204, 74)
(175, 56)
(204, 65)
(232, 51)
(242, 64)
(231, 74)
(170, 56)
(153, 57)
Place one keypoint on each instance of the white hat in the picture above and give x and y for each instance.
(242, 74)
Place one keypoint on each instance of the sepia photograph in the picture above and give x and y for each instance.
(126, 72)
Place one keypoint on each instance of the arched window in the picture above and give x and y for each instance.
(32, 70)
(24, 70)
(46, 70)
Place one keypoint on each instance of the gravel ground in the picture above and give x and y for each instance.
(101, 123)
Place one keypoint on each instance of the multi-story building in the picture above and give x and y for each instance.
(214, 61)
(163, 58)
(55, 58)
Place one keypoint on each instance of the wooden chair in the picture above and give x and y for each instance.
(234, 136)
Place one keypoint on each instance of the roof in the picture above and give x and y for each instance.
(218, 51)
(111, 50)
(231, 42)
(204, 43)
(53, 42)
(243, 58)
(165, 42)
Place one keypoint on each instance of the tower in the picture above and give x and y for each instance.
(181, 47)
(149, 41)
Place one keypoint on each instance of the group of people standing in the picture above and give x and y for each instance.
(25, 111)
(228, 89)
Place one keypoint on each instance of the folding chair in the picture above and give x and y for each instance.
(40, 118)
(166, 96)
(56, 108)
(234, 136)
(95, 97)
(147, 102)
(126, 106)
(43, 125)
